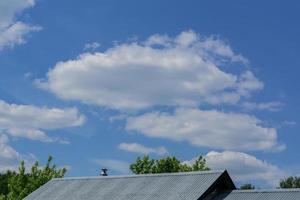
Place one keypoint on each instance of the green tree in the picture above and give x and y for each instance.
(290, 182)
(200, 165)
(247, 186)
(147, 165)
(167, 165)
(17, 185)
(4, 177)
(143, 165)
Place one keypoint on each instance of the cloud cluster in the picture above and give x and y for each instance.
(184, 72)
(207, 128)
(138, 148)
(163, 70)
(30, 121)
(243, 167)
(13, 32)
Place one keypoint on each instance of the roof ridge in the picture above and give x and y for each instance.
(143, 175)
(267, 190)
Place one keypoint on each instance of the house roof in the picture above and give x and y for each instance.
(183, 186)
(278, 194)
(210, 185)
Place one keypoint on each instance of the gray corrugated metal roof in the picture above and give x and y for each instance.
(278, 194)
(181, 186)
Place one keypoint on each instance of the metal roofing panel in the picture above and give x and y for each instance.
(279, 194)
(181, 186)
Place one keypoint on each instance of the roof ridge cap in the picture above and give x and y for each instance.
(267, 190)
(142, 175)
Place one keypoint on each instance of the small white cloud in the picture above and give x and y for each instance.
(269, 106)
(114, 165)
(181, 70)
(9, 157)
(207, 128)
(91, 46)
(289, 123)
(138, 148)
(13, 32)
(5, 150)
(28, 75)
(30, 121)
(117, 117)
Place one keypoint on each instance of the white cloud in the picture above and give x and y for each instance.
(91, 46)
(162, 70)
(138, 148)
(9, 157)
(289, 123)
(245, 168)
(9, 10)
(13, 32)
(118, 117)
(207, 128)
(31, 121)
(5, 150)
(114, 165)
(269, 106)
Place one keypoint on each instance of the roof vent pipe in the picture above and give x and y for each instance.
(104, 172)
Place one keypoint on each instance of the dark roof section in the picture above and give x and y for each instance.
(278, 194)
(183, 186)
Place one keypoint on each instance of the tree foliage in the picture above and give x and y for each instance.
(290, 182)
(17, 185)
(147, 165)
(247, 186)
(4, 178)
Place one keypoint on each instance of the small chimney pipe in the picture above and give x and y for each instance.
(104, 172)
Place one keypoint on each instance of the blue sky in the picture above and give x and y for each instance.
(98, 83)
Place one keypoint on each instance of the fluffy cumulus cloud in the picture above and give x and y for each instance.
(12, 31)
(138, 148)
(245, 168)
(31, 121)
(207, 128)
(182, 70)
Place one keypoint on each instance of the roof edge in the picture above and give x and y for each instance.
(266, 190)
(144, 175)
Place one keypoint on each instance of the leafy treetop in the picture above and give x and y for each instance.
(18, 185)
(147, 165)
(290, 182)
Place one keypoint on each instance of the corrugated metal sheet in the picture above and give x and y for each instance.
(279, 194)
(178, 186)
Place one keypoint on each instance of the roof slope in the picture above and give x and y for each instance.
(278, 194)
(183, 186)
